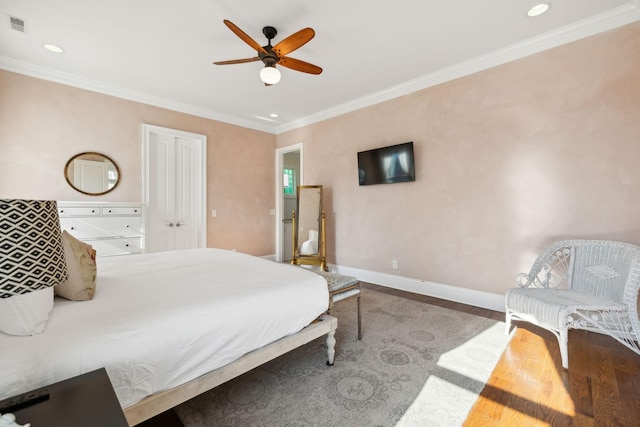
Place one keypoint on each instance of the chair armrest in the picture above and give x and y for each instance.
(525, 281)
(551, 269)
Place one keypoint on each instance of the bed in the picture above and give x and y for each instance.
(168, 326)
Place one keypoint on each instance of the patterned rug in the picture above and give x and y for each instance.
(416, 365)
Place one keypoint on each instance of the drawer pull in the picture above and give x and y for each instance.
(127, 245)
(73, 228)
(109, 211)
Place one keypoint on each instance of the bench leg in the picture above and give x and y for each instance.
(331, 347)
(359, 320)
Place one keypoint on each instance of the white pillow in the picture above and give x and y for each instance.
(26, 314)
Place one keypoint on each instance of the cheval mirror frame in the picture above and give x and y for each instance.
(308, 228)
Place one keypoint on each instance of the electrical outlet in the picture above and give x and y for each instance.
(394, 264)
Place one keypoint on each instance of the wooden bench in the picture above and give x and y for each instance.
(340, 288)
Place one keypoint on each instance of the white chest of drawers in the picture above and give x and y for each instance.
(111, 228)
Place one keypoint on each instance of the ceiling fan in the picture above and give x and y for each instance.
(272, 55)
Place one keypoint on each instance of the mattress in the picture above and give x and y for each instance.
(159, 320)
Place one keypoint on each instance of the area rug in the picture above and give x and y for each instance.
(416, 365)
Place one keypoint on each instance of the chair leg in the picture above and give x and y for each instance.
(563, 340)
(507, 322)
(359, 320)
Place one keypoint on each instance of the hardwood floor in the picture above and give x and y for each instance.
(529, 387)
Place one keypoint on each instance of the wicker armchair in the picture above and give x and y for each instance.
(581, 284)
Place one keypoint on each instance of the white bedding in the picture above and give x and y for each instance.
(159, 320)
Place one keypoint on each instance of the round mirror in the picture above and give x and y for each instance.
(92, 173)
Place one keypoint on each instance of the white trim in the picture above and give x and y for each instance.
(280, 152)
(62, 77)
(609, 20)
(468, 296)
(606, 21)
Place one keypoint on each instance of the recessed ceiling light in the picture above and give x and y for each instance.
(53, 48)
(274, 115)
(538, 9)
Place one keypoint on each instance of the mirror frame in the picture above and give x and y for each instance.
(320, 257)
(91, 153)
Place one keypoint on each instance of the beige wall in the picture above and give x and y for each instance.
(507, 161)
(43, 124)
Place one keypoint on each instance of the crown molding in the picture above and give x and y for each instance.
(69, 79)
(610, 20)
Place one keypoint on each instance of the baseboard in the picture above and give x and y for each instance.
(438, 290)
(468, 296)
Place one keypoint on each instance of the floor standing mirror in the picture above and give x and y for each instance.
(308, 228)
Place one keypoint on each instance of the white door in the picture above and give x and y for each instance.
(174, 189)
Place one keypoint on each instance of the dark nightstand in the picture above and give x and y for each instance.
(82, 401)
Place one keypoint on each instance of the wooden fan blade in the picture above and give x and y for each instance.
(298, 65)
(248, 40)
(294, 41)
(237, 61)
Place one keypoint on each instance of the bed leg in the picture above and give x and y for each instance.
(331, 346)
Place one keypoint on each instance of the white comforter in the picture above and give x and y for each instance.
(159, 320)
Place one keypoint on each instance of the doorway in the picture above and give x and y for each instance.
(174, 189)
(289, 174)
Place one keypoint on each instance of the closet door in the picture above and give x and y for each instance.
(174, 190)
(187, 206)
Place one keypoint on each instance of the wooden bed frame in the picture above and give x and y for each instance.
(165, 400)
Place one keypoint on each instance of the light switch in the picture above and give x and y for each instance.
(272, 212)
(214, 213)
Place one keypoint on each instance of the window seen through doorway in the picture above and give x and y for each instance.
(288, 181)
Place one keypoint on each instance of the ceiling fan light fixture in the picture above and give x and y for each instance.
(270, 75)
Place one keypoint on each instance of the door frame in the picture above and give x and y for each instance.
(280, 152)
(202, 143)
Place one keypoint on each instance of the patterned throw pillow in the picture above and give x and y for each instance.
(81, 266)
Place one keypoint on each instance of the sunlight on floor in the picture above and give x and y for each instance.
(448, 395)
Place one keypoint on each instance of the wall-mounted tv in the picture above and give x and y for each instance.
(387, 165)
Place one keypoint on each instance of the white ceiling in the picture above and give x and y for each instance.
(161, 51)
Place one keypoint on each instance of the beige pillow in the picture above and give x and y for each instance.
(81, 266)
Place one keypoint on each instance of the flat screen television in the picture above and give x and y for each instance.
(387, 165)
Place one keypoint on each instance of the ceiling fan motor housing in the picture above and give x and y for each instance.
(270, 58)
